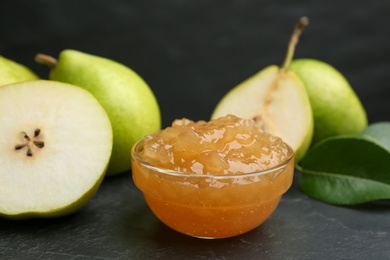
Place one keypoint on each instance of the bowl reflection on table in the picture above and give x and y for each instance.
(211, 206)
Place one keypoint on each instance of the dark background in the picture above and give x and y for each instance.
(191, 53)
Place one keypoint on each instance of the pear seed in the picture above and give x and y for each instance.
(39, 144)
(29, 152)
(37, 132)
(25, 136)
(19, 146)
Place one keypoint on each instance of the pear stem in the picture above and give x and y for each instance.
(46, 60)
(296, 33)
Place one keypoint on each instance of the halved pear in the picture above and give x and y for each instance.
(56, 142)
(276, 98)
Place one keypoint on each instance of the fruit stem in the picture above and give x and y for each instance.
(46, 60)
(298, 29)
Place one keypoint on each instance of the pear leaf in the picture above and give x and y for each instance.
(349, 170)
(381, 132)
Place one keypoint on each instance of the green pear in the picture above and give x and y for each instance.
(276, 98)
(56, 142)
(12, 72)
(337, 110)
(130, 104)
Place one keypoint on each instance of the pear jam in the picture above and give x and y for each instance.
(212, 179)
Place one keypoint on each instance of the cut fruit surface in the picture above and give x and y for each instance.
(278, 101)
(56, 141)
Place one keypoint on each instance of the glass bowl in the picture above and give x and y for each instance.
(211, 206)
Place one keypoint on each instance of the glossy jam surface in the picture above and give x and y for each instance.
(228, 145)
(212, 179)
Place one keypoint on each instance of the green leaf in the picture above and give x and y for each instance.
(349, 170)
(380, 132)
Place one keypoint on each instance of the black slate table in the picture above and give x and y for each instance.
(117, 224)
(191, 53)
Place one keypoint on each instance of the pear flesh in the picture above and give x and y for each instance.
(277, 100)
(12, 72)
(128, 100)
(56, 144)
(337, 110)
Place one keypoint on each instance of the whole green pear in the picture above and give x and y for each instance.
(336, 107)
(129, 102)
(12, 72)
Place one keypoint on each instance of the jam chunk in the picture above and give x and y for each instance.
(227, 145)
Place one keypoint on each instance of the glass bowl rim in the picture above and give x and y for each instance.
(135, 154)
